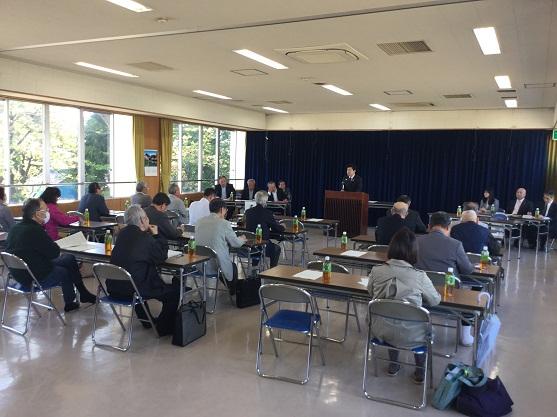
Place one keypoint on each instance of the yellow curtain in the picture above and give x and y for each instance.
(139, 145)
(551, 172)
(166, 154)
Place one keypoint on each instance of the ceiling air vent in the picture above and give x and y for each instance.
(451, 96)
(398, 92)
(401, 48)
(150, 66)
(324, 54)
(279, 101)
(507, 90)
(539, 85)
(248, 72)
(415, 104)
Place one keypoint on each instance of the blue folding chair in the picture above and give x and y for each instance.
(13, 262)
(305, 322)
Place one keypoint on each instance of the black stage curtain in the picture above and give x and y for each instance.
(439, 169)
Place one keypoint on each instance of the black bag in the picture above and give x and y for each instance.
(489, 400)
(190, 324)
(247, 292)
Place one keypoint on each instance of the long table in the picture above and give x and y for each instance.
(270, 204)
(326, 225)
(462, 301)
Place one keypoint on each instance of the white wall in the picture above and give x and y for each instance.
(408, 120)
(30, 79)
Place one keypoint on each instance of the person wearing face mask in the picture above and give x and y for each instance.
(139, 250)
(29, 241)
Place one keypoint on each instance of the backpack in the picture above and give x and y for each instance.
(488, 400)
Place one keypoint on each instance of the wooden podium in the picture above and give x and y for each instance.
(351, 209)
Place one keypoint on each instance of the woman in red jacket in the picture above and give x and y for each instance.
(57, 217)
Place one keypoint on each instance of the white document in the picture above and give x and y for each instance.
(73, 241)
(311, 220)
(84, 247)
(173, 253)
(354, 253)
(309, 274)
(364, 281)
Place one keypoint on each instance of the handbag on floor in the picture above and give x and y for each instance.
(455, 376)
(247, 292)
(489, 400)
(191, 323)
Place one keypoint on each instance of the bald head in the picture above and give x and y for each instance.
(400, 208)
(469, 216)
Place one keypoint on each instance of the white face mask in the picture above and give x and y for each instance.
(46, 217)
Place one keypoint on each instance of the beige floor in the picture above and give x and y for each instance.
(55, 371)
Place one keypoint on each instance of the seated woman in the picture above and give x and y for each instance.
(399, 280)
(488, 201)
(57, 217)
(6, 217)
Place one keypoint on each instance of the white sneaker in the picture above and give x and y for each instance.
(466, 338)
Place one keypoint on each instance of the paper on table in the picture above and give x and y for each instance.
(173, 253)
(75, 239)
(83, 247)
(309, 274)
(356, 253)
(312, 220)
(364, 281)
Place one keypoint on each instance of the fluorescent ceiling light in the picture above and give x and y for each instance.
(273, 109)
(110, 70)
(511, 103)
(260, 58)
(336, 89)
(131, 5)
(208, 93)
(487, 38)
(503, 82)
(380, 107)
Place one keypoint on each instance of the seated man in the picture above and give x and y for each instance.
(413, 220)
(388, 226)
(438, 252)
(223, 189)
(260, 215)
(282, 185)
(140, 197)
(274, 193)
(29, 241)
(215, 232)
(139, 252)
(473, 236)
(549, 210)
(520, 206)
(475, 207)
(200, 209)
(248, 193)
(177, 204)
(94, 202)
(158, 217)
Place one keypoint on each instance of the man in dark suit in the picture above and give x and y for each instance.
(549, 210)
(413, 219)
(223, 189)
(351, 182)
(248, 193)
(94, 202)
(473, 236)
(387, 226)
(274, 193)
(156, 213)
(139, 251)
(264, 217)
(520, 206)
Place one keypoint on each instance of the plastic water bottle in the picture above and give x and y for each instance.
(484, 259)
(191, 247)
(449, 282)
(127, 204)
(186, 202)
(493, 209)
(258, 234)
(303, 213)
(327, 269)
(295, 224)
(231, 196)
(459, 211)
(87, 217)
(108, 243)
(343, 241)
(537, 213)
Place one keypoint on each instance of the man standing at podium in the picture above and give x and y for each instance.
(351, 182)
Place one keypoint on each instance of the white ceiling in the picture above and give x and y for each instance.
(527, 31)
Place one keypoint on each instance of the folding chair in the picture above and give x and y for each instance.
(302, 238)
(403, 313)
(378, 248)
(102, 272)
(318, 266)
(206, 251)
(305, 322)
(246, 255)
(12, 262)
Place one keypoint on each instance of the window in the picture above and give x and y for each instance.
(42, 144)
(200, 154)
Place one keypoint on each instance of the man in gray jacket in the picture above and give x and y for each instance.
(176, 204)
(215, 232)
(141, 198)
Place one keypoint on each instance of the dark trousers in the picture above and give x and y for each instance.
(66, 274)
(418, 358)
(272, 250)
